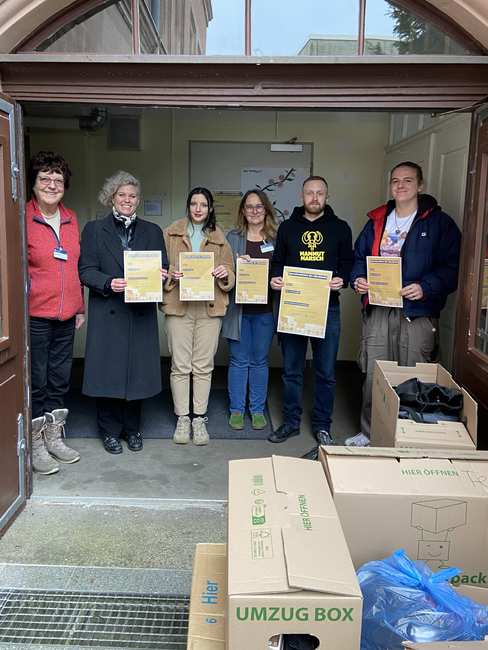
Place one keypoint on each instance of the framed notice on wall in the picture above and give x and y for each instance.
(232, 168)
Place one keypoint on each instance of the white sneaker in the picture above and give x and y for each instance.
(359, 440)
(182, 432)
(200, 433)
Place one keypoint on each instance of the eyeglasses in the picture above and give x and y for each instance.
(254, 208)
(45, 181)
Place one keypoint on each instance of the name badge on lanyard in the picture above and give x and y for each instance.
(60, 254)
(267, 247)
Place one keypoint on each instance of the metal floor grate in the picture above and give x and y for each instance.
(69, 618)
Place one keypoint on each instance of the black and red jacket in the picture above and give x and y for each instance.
(430, 254)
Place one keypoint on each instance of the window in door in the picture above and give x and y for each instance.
(256, 28)
(399, 27)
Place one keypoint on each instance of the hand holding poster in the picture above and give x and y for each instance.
(197, 282)
(304, 302)
(385, 281)
(142, 272)
(252, 281)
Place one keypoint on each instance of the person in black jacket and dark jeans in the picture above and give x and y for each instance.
(414, 227)
(329, 248)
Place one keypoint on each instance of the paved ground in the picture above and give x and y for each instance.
(164, 470)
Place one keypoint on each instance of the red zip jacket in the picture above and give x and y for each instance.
(54, 285)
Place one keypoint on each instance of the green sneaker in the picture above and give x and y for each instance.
(258, 421)
(236, 421)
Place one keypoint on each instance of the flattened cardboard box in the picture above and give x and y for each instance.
(388, 430)
(206, 629)
(434, 508)
(289, 567)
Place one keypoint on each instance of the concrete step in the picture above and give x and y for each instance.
(124, 533)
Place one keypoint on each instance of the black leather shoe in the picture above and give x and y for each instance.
(112, 445)
(283, 433)
(134, 441)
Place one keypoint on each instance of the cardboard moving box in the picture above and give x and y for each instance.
(289, 569)
(208, 601)
(432, 504)
(388, 430)
(478, 594)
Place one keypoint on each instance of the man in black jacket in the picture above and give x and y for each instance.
(313, 237)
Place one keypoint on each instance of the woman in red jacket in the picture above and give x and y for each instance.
(56, 306)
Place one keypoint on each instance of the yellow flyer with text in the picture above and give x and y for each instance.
(197, 282)
(252, 281)
(304, 301)
(142, 272)
(385, 281)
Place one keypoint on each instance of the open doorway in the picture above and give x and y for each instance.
(171, 150)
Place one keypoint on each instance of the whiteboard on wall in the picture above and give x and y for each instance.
(228, 167)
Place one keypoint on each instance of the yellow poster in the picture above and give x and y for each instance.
(252, 281)
(197, 282)
(304, 301)
(226, 205)
(385, 281)
(142, 272)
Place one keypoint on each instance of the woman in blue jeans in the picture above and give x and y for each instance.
(249, 328)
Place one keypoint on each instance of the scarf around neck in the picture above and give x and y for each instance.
(127, 221)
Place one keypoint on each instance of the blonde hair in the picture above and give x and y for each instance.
(270, 226)
(113, 183)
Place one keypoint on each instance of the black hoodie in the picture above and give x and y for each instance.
(325, 243)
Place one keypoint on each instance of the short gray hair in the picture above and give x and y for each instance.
(113, 183)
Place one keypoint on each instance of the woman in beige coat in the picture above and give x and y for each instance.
(193, 327)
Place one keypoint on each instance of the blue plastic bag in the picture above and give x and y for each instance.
(405, 601)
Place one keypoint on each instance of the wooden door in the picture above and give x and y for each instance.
(471, 350)
(12, 319)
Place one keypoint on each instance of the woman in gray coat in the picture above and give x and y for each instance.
(122, 358)
(250, 328)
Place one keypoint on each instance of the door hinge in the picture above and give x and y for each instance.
(21, 444)
(15, 174)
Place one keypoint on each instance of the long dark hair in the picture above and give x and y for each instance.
(210, 222)
(48, 161)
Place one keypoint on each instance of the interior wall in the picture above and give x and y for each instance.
(442, 150)
(348, 148)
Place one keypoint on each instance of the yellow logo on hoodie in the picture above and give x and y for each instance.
(312, 239)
